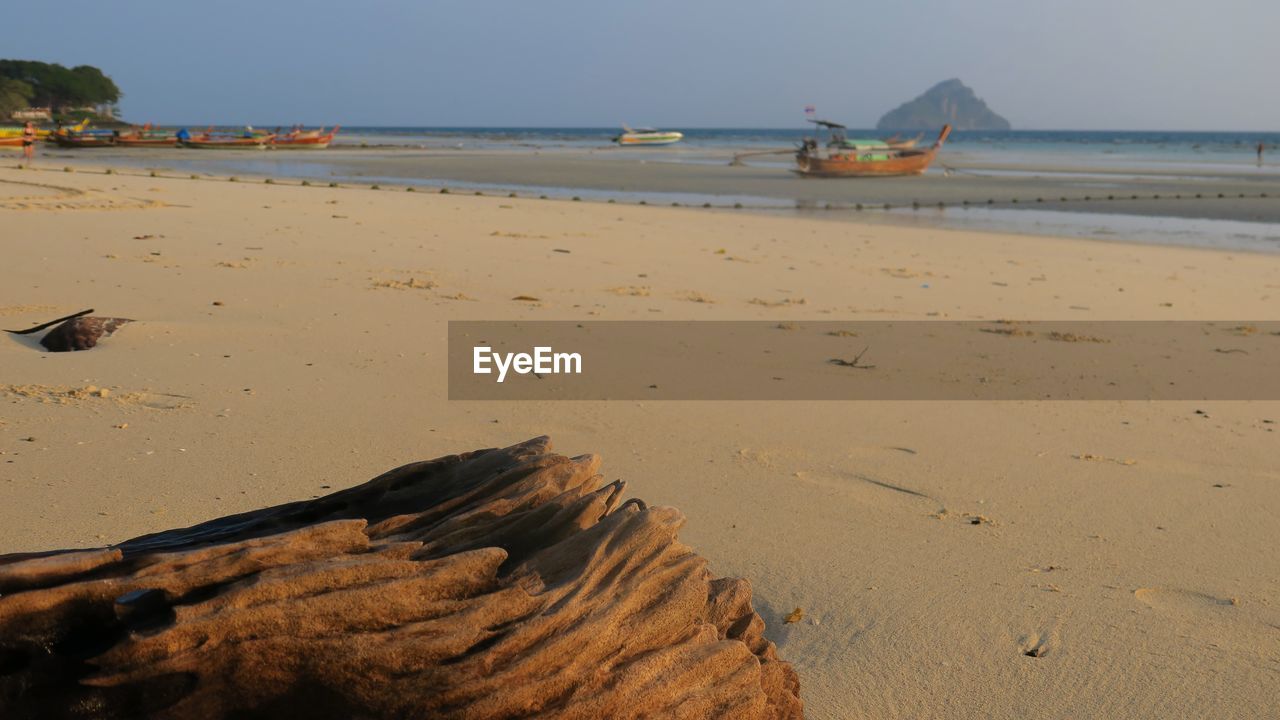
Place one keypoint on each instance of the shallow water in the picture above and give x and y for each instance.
(1176, 189)
(1186, 232)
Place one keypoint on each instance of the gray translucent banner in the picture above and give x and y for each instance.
(866, 360)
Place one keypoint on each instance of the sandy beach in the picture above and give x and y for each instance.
(960, 559)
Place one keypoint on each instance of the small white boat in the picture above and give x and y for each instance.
(647, 136)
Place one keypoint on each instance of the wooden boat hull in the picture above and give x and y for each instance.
(84, 141)
(254, 143)
(869, 164)
(849, 165)
(304, 143)
(147, 142)
(305, 140)
(11, 141)
(295, 145)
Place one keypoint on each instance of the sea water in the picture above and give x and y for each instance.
(1057, 148)
(1082, 159)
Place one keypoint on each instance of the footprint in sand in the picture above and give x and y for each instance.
(19, 195)
(93, 395)
(6, 310)
(1036, 645)
(632, 290)
(695, 296)
(1175, 600)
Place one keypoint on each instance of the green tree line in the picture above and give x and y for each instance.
(26, 83)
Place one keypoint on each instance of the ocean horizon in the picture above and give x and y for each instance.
(694, 134)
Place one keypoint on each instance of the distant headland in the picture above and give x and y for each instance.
(950, 101)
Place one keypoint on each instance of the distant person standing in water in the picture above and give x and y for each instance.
(29, 137)
(1261, 146)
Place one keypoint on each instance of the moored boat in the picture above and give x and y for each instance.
(228, 142)
(861, 158)
(147, 136)
(147, 141)
(305, 139)
(647, 136)
(83, 139)
(80, 136)
(15, 141)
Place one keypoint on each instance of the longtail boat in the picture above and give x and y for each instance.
(147, 140)
(226, 142)
(15, 141)
(647, 136)
(305, 139)
(147, 136)
(862, 158)
(83, 139)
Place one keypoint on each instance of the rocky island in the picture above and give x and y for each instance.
(950, 101)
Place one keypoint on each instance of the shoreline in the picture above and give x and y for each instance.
(1203, 215)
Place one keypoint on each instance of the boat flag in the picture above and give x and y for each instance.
(809, 109)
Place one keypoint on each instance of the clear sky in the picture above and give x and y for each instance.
(1043, 64)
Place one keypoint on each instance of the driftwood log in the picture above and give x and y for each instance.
(495, 584)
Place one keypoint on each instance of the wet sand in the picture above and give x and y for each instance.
(1244, 193)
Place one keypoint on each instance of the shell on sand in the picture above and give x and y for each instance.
(81, 333)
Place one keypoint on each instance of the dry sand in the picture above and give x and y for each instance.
(1021, 559)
